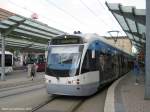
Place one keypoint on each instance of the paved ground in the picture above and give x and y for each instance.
(20, 74)
(19, 92)
(94, 103)
(19, 77)
(24, 100)
(130, 97)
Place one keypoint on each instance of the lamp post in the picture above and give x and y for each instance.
(147, 57)
(2, 57)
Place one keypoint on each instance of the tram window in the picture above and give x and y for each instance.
(102, 61)
(108, 63)
(115, 59)
(85, 65)
(0, 59)
(8, 60)
(89, 63)
(93, 61)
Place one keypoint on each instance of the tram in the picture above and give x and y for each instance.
(8, 62)
(79, 65)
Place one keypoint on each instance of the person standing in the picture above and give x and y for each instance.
(136, 71)
(30, 62)
(29, 66)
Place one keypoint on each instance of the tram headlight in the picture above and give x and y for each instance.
(78, 81)
(48, 81)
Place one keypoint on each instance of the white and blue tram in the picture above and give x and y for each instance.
(79, 65)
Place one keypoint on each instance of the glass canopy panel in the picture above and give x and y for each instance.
(31, 34)
(25, 42)
(132, 25)
(25, 45)
(127, 9)
(140, 12)
(11, 43)
(143, 41)
(121, 21)
(113, 6)
(26, 30)
(16, 18)
(48, 28)
(136, 38)
(135, 43)
(3, 26)
(8, 22)
(35, 30)
(129, 35)
(142, 28)
(129, 13)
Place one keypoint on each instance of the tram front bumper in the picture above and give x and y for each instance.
(72, 90)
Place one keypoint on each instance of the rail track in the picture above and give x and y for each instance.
(20, 90)
(71, 108)
(42, 104)
(21, 85)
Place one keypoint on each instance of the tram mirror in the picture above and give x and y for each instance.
(93, 54)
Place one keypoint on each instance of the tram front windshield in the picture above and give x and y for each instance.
(63, 61)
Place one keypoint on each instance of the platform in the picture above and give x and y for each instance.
(126, 96)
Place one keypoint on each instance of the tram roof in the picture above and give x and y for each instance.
(90, 37)
(25, 32)
(132, 21)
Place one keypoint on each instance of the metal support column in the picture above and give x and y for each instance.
(147, 61)
(3, 57)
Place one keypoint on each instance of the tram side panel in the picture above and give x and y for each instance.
(104, 61)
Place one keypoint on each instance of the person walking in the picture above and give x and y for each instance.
(136, 71)
(33, 71)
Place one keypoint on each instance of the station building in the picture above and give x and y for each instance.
(122, 42)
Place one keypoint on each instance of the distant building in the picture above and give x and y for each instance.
(4, 14)
(122, 42)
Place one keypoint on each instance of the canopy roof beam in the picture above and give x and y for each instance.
(8, 31)
(126, 21)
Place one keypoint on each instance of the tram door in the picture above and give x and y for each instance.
(105, 67)
(101, 67)
(109, 72)
(115, 65)
(108, 66)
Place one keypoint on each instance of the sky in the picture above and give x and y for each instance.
(87, 16)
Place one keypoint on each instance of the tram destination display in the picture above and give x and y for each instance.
(66, 41)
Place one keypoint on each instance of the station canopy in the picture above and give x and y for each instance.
(132, 21)
(25, 32)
